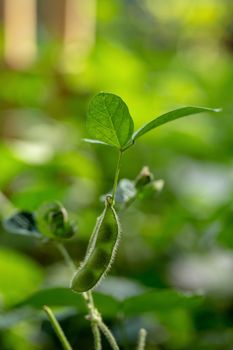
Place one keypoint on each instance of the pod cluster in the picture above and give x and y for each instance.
(101, 250)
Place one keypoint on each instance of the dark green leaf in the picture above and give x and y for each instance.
(54, 297)
(109, 120)
(168, 117)
(153, 301)
(65, 297)
(159, 300)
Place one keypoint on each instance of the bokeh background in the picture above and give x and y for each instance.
(157, 55)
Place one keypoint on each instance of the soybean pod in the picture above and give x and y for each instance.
(100, 252)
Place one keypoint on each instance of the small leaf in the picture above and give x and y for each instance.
(109, 120)
(22, 223)
(168, 117)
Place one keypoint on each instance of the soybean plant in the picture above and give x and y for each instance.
(108, 123)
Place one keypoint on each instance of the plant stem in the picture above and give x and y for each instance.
(106, 331)
(66, 256)
(57, 328)
(142, 339)
(116, 175)
(94, 319)
(96, 335)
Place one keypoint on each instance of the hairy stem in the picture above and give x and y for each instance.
(94, 317)
(57, 328)
(96, 335)
(117, 172)
(142, 339)
(108, 334)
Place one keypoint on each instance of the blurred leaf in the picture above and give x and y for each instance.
(20, 276)
(170, 116)
(31, 197)
(155, 300)
(178, 324)
(23, 223)
(65, 297)
(55, 297)
(109, 120)
(159, 300)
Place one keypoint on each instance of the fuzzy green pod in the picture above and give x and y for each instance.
(100, 252)
(52, 221)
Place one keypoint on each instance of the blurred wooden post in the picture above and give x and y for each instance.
(52, 16)
(20, 23)
(79, 32)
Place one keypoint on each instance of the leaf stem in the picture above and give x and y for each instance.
(142, 339)
(117, 172)
(57, 328)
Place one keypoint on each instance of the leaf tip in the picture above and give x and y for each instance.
(217, 110)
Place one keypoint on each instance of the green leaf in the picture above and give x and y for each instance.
(54, 297)
(170, 116)
(159, 300)
(154, 300)
(66, 297)
(109, 120)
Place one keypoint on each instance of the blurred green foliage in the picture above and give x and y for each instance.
(157, 55)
